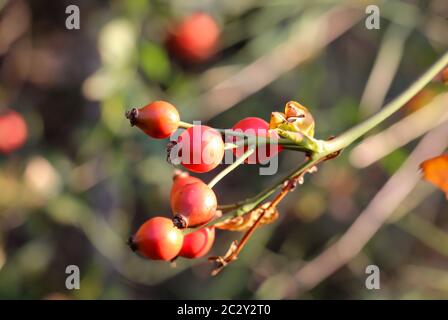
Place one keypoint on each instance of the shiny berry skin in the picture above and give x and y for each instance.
(198, 243)
(181, 179)
(158, 119)
(193, 204)
(201, 148)
(259, 127)
(13, 131)
(157, 239)
(195, 39)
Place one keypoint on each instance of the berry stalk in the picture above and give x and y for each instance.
(307, 144)
(356, 132)
(230, 168)
(331, 148)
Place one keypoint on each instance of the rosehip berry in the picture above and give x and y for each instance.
(13, 131)
(259, 127)
(158, 119)
(157, 239)
(201, 148)
(195, 38)
(198, 243)
(181, 179)
(193, 204)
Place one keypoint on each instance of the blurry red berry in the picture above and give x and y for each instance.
(259, 127)
(198, 243)
(157, 239)
(201, 148)
(193, 204)
(13, 131)
(158, 119)
(195, 39)
(445, 75)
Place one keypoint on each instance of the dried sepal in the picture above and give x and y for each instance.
(245, 221)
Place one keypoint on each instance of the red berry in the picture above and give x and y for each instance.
(193, 204)
(158, 119)
(198, 243)
(13, 131)
(259, 127)
(195, 39)
(201, 148)
(181, 179)
(157, 239)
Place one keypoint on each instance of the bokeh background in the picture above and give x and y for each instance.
(84, 180)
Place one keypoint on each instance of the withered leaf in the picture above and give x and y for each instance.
(245, 221)
(435, 170)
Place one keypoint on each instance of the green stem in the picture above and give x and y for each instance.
(253, 202)
(260, 141)
(230, 168)
(247, 205)
(356, 132)
(251, 139)
(185, 125)
(342, 141)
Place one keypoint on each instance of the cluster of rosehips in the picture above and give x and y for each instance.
(161, 238)
(13, 131)
(193, 202)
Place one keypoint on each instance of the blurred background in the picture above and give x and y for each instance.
(76, 180)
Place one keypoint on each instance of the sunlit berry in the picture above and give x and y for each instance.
(201, 148)
(158, 119)
(256, 127)
(198, 243)
(157, 239)
(193, 204)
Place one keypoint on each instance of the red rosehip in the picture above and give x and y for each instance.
(158, 119)
(157, 239)
(181, 179)
(193, 204)
(198, 243)
(195, 39)
(13, 131)
(259, 127)
(201, 148)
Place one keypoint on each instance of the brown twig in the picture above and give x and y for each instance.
(236, 247)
